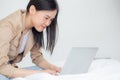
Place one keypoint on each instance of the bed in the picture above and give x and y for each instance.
(100, 69)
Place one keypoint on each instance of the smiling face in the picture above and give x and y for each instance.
(41, 19)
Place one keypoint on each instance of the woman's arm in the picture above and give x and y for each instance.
(46, 65)
(39, 60)
(25, 72)
(12, 72)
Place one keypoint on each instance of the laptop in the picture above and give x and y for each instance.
(79, 60)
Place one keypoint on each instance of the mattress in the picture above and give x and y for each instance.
(100, 69)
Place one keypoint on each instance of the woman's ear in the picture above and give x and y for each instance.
(32, 9)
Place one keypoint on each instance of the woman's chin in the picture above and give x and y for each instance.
(40, 30)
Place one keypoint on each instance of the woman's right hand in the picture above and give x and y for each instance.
(52, 72)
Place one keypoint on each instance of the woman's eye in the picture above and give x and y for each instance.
(46, 18)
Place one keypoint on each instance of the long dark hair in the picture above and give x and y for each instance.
(51, 29)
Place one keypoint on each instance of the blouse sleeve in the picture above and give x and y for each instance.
(6, 36)
(37, 56)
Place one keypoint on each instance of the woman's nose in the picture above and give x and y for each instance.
(47, 22)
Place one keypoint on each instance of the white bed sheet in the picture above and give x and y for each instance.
(101, 69)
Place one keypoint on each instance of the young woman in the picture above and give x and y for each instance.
(21, 32)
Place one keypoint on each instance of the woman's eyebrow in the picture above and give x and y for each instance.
(49, 17)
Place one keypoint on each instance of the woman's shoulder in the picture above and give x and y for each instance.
(15, 14)
(14, 17)
(14, 20)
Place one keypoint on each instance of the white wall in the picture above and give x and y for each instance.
(90, 23)
(82, 23)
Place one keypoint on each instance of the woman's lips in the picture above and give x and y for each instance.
(43, 27)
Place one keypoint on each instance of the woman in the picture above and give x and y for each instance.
(21, 32)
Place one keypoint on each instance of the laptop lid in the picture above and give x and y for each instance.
(79, 60)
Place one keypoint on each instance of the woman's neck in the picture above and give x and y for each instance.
(28, 24)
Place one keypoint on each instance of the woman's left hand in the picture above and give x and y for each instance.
(55, 68)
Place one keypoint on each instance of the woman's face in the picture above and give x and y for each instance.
(42, 19)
